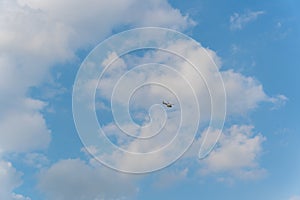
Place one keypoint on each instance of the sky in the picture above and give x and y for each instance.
(82, 85)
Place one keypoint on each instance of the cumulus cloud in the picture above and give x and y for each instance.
(239, 21)
(97, 19)
(54, 31)
(36, 35)
(10, 179)
(21, 126)
(236, 153)
(244, 94)
(74, 179)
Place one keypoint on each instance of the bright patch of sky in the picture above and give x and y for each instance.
(255, 45)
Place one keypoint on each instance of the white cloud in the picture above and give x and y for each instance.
(37, 34)
(236, 153)
(239, 21)
(162, 14)
(74, 179)
(10, 179)
(35, 160)
(171, 178)
(34, 36)
(23, 128)
(278, 101)
(19, 197)
(243, 93)
(97, 19)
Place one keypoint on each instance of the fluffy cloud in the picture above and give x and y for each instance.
(238, 21)
(74, 179)
(37, 34)
(10, 179)
(34, 36)
(236, 153)
(21, 126)
(243, 95)
(97, 19)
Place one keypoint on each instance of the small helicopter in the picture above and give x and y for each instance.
(169, 105)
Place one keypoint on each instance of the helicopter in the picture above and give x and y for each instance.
(168, 104)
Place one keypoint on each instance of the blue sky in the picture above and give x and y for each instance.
(256, 46)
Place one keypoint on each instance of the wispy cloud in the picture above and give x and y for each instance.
(239, 20)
